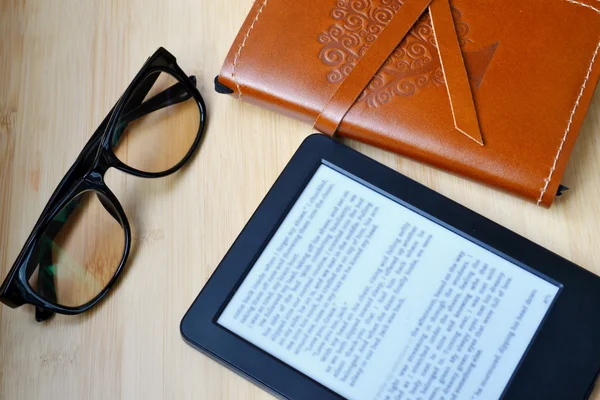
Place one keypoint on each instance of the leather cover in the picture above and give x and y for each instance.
(496, 91)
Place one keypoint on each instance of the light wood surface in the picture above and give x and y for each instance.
(63, 64)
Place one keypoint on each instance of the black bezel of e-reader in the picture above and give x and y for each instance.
(562, 361)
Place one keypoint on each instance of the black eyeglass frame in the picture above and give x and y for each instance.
(87, 174)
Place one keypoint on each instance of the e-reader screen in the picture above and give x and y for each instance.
(375, 301)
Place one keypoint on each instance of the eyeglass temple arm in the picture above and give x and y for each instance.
(173, 95)
(43, 257)
(46, 285)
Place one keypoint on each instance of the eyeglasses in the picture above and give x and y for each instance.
(81, 241)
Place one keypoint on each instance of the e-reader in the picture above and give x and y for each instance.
(353, 281)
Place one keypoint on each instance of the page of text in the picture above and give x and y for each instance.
(374, 301)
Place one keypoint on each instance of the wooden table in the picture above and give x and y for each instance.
(63, 64)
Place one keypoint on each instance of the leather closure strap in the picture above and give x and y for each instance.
(453, 66)
(455, 73)
(360, 76)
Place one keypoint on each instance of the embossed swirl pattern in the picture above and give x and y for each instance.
(414, 64)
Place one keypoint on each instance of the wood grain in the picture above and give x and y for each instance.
(63, 64)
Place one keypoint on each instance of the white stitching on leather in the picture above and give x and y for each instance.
(239, 52)
(584, 5)
(564, 139)
(570, 123)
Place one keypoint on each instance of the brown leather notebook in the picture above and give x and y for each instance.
(493, 90)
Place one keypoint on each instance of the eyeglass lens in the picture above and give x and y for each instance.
(156, 132)
(79, 252)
